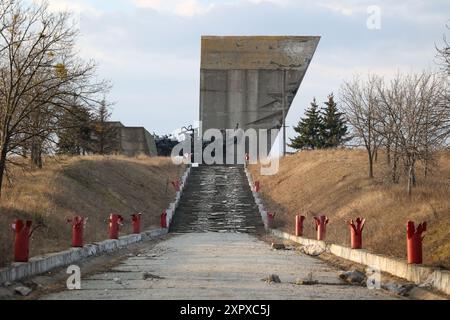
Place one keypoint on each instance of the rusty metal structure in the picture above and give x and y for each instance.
(251, 81)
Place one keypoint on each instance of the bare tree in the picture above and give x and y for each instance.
(412, 105)
(443, 54)
(443, 59)
(390, 119)
(39, 75)
(360, 104)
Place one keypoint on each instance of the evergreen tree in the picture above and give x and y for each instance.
(334, 129)
(105, 134)
(309, 130)
(74, 135)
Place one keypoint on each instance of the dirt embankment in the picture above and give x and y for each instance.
(335, 183)
(92, 187)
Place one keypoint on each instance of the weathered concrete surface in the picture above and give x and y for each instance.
(137, 140)
(257, 198)
(41, 264)
(217, 266)
(129, 141)
(438, 279)
(244, 79)
(218, 199)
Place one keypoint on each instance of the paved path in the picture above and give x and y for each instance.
(222, 266)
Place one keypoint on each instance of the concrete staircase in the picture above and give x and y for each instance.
(217, 199)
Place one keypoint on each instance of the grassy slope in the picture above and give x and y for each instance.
(90, 186)
(335, 183)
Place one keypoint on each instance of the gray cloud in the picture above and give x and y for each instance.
(153, 57)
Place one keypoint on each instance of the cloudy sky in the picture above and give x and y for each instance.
(150, 49)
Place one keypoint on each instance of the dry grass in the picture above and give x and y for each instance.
(91, 186)
(335, 183)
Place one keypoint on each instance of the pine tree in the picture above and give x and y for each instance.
(334, 129)
(74, 135)
(309, 130)
(105, 134)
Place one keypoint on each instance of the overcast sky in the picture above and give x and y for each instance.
(150, 49)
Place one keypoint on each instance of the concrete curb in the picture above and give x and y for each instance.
(174, 205)
(421, 275)
(41, 264)
(258, 200)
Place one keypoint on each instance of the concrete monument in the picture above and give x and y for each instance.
(251, 81)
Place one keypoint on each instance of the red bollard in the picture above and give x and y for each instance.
(270, 218)
(136, 222)
(299, 225)
(115, 221)
(356, 229)
(257, 186)
(78, 224)
(176, 185)
(321, 227)
(164, 220)
(22, 240)
(414, 241)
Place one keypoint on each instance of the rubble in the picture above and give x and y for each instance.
(353, 277)
(22, 290)
(273, 278)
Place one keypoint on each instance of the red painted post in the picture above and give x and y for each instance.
(115, 221)
(299, 225)
(321, 227)
(270, 219)
(164, 220)
(257, 186)
(136, 222)
(176, 184)
(22, 240)
(78, 224)
(414, 241)
(356, 229)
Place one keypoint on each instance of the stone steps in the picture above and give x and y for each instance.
(217, 199)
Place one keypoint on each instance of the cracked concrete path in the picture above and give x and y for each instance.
(222, 266)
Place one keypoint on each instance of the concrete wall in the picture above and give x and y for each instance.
(151, 144)
(244, 79)
(129, 141)
(245, 98)
(135, 141)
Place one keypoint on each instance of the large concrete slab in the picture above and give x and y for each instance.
(245, 79)
(217, 266)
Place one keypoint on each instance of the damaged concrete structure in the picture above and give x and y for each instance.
(251, 81)
(131, 141)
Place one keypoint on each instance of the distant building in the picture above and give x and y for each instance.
(128, 141)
